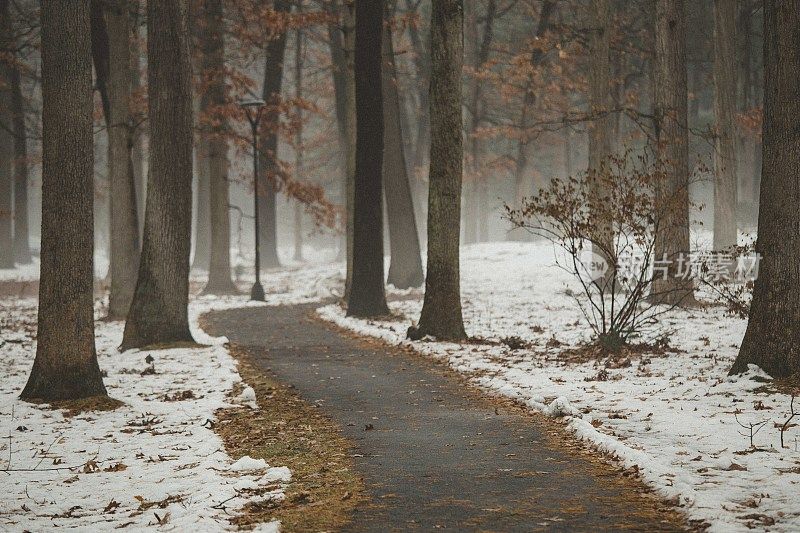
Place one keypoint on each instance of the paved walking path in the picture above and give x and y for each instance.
(434, 453)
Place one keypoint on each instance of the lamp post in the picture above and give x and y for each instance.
(253, 109)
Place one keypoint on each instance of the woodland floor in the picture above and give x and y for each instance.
(433, 452)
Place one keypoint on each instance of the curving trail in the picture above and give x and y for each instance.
(433, 452)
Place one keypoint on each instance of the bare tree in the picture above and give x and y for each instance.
(298, 139)
(671, 102)
(66, 362)
(772, 340)
(124, 214)
(725, 134)
(367, 297)
(476, 204)
(201, 43)
(214, 98)
(405, 269)
(273, 80)
(522, 183)
(22, 250)
(341, 38)
(158, 312)
(6, 142)
(601, 126)
(441, 310)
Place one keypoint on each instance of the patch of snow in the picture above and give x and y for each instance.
(155, 462)
(248, 398)
(248, 463)
(278, 473)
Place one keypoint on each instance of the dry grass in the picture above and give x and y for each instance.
(287, 431)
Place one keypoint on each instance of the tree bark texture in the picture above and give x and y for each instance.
(772, 340)
(158, 312)
(725, 177)
(405, 267)
(367, 296)
(441, 310)
(672, 194)
(66, 366)
(124, 214)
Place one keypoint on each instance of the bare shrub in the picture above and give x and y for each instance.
(605, 222)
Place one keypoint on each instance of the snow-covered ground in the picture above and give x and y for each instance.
(676, 416)
(154, 462)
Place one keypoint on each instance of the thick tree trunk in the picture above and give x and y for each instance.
(367, 296)
(441, 310)
(219, 271)
(672, 194)
(273, 80)
(772, 340)
(405, 268)
(601, 128)
(124, 215)
(158, 312)
(725, 139)
(6, 143)
(22, 251)
(66, 363)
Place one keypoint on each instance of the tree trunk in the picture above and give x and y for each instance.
(475, 220)
(202, 228)
(273, 79)
(441, 310)
(405, 268)
(600, 129)
(672, 194)
(158, 312)
(137, 154)
(342, 43)
(422, 63)
(772, 340)
(367, 296)
(725, 180)
(219, 271)
(124, 215)
(22, 251)
(298, 144)
(66, 363)
(201, 41)
(522, 180)
(6, 143)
